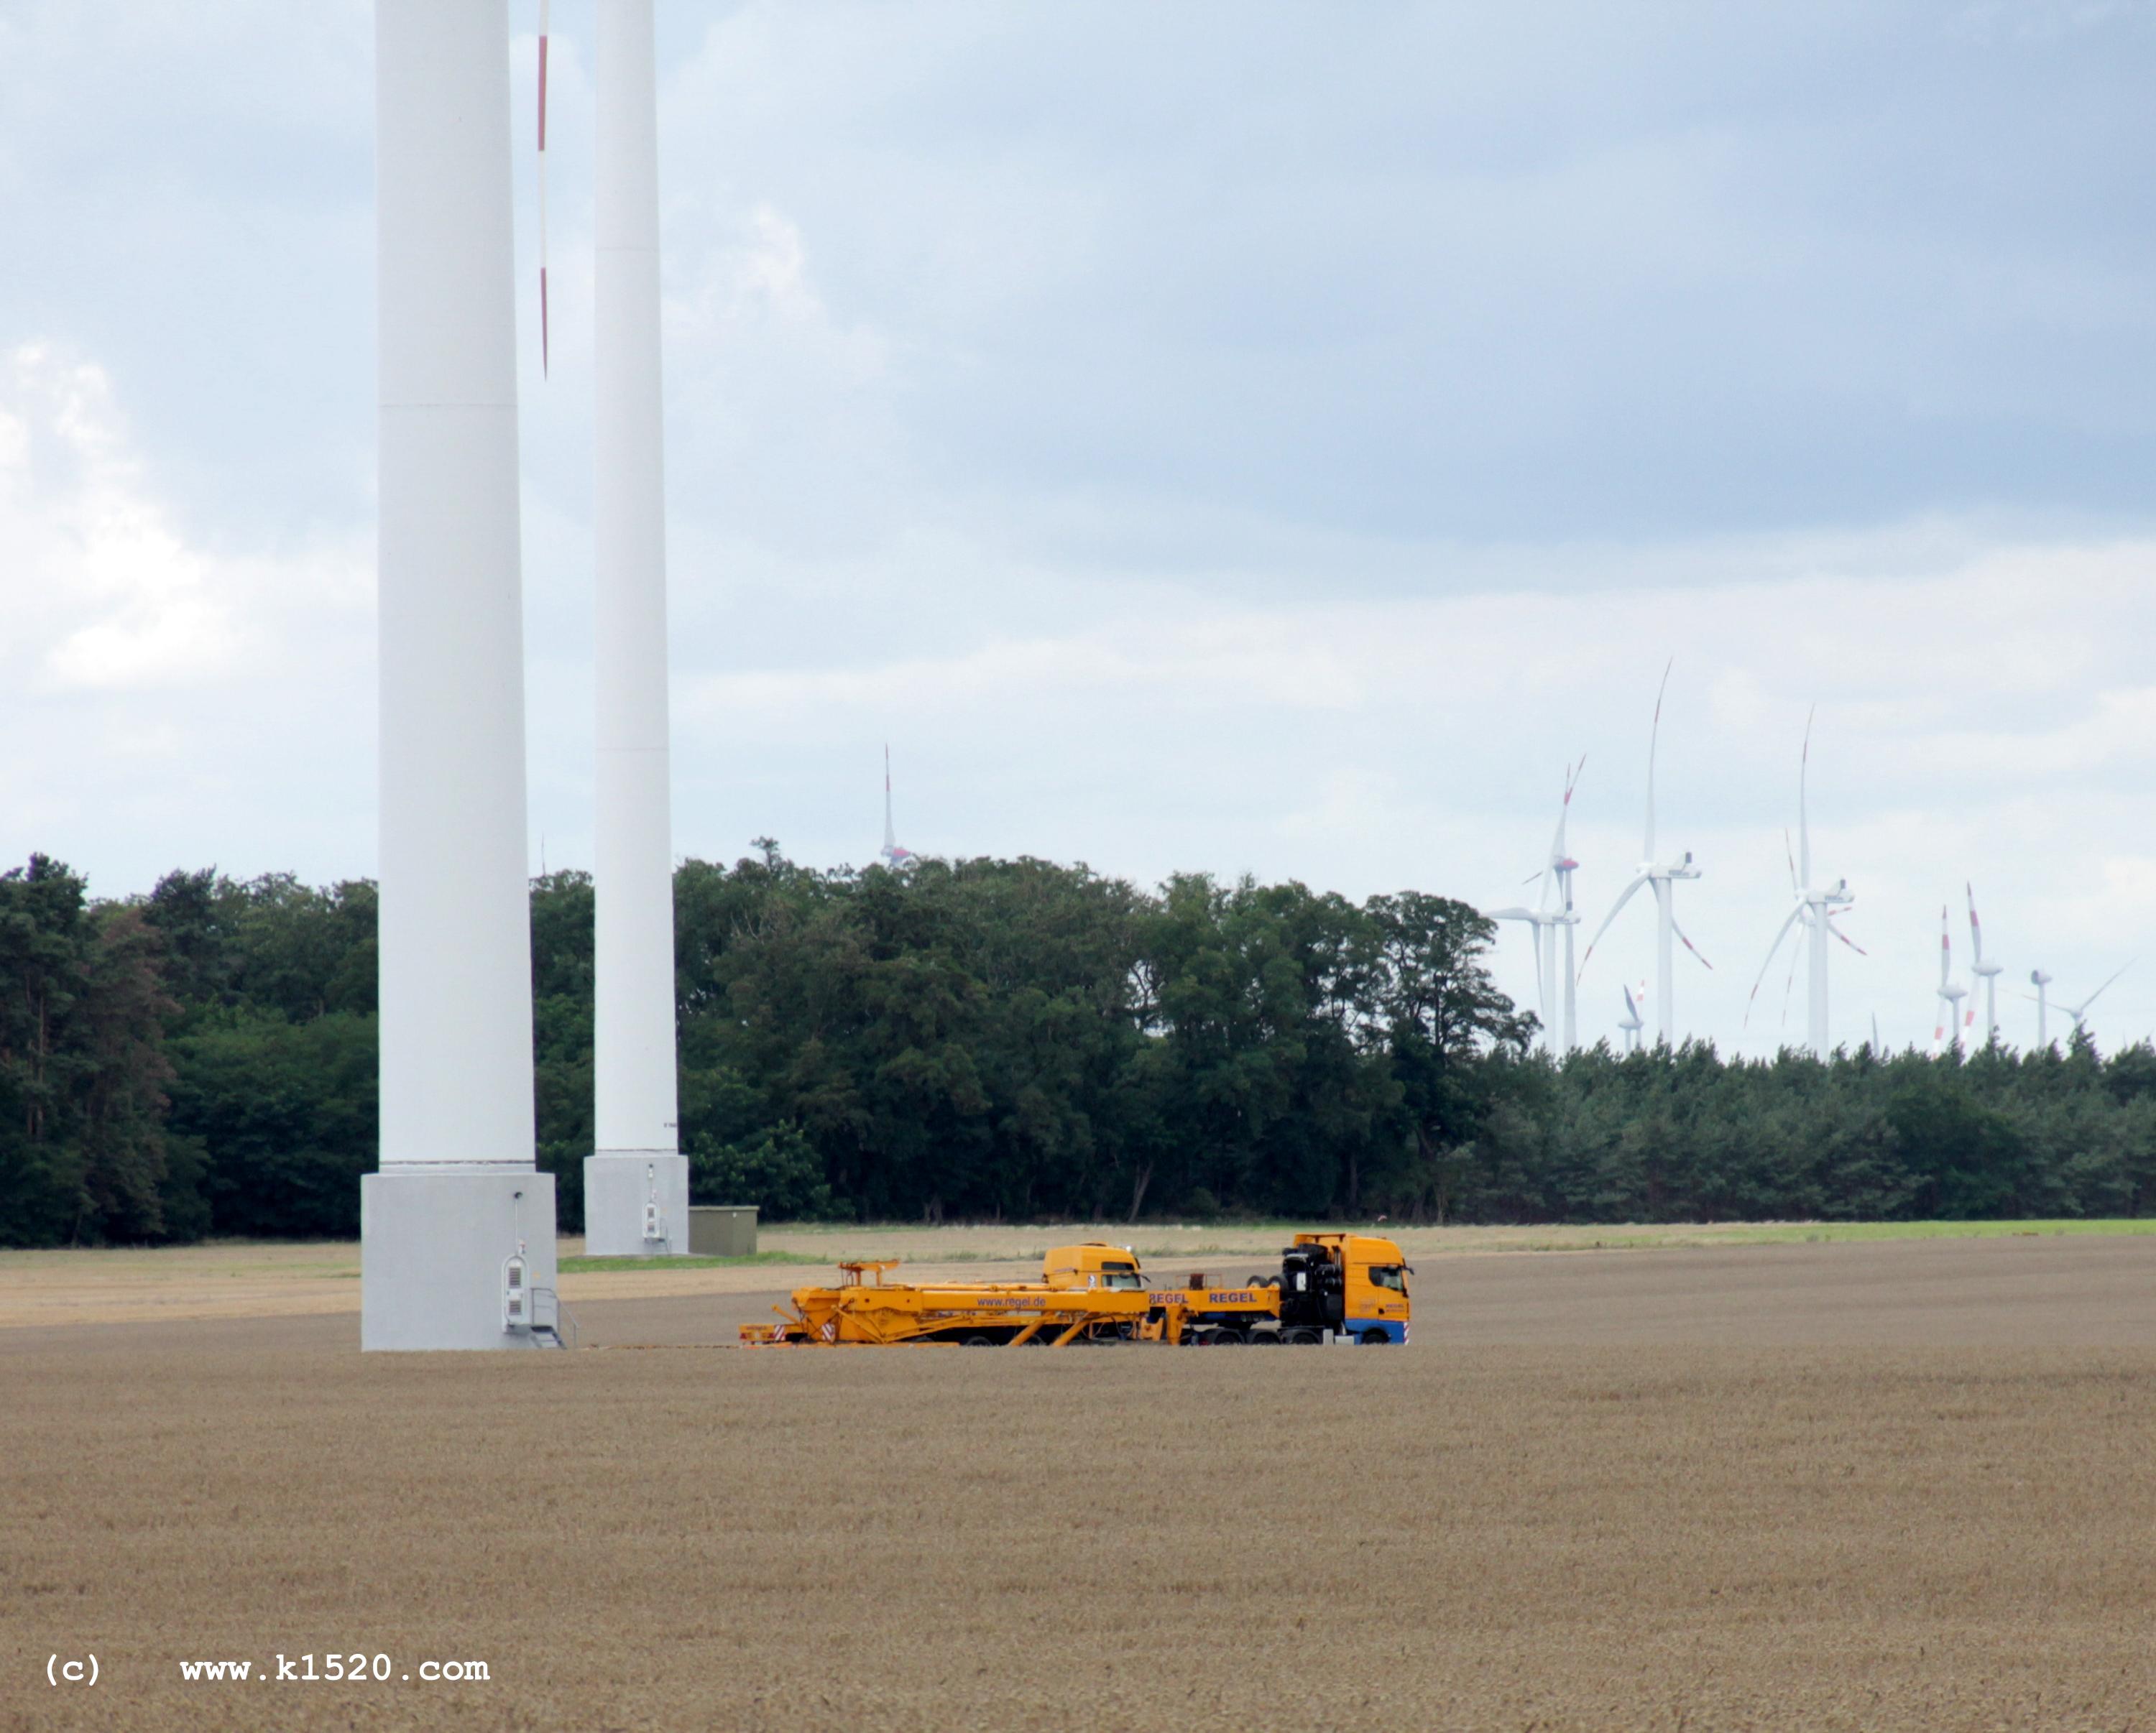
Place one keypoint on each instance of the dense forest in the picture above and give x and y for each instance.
(992, 1040)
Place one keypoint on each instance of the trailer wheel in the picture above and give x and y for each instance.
(1224, 1337)
(1264, 1338)
(980, 1341)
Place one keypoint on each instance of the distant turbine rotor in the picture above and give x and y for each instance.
(1951, 992)
(1814, 910)
(1660, 876)
(1558, 1008)
(2080, 1012)
(1983, 973)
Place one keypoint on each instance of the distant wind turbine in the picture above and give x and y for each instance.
(1632, 1023)
(1951, 992)
(2080, 1012)
(1815, 911)
(1662, 875)
(2038, 980)
(1560, 1013)
(892, 854)
(1988, 973)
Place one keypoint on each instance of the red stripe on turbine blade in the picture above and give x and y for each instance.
(543, 93)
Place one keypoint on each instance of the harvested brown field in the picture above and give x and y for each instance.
(1801, 1486)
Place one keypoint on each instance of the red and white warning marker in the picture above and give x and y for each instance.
(543, 358)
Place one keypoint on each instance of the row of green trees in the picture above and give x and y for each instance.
(992, 1040)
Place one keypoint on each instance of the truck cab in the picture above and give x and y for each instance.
(1355, 1284)
(1094, 1264)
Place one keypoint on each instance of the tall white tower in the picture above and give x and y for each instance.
(457, 1226)
(636, 1182)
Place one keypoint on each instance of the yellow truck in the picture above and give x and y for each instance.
(1331, 1287)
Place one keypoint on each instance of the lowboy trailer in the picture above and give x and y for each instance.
(1338, 1287)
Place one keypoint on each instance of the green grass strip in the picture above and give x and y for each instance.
(602, 1266)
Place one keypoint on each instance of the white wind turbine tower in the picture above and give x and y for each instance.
(1815, 911)
(1538, 921)
(1662, 875)
(636, 1179)
(1986, 973)
(1951, 992)
(1552, 910)
(2038, 980)
(456, 1228)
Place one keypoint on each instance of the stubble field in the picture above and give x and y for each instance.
(1901, 1485)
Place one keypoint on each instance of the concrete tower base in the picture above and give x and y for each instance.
(434, 1242)
(617, 1186)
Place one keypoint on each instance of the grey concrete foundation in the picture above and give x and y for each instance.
(433, 1244)
(617, 1185)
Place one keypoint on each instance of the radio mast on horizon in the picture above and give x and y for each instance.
(892, 855)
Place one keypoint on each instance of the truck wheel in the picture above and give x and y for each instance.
(1264, 1339)
(1300, 1338)
(1225, 1338)
(1376, 1339)
(980, 1341)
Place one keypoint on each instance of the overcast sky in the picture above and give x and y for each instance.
(1242, 437)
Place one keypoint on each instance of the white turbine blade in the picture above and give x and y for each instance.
(1556, 835)
(1514, 913)
(1946, 950)
(1847, 940)
(1780, 934)
(1789, 985)
(1624, 897)
(1975, 927)
(1796, 885)
(1653, 739)
(1804, 809)
(2101, 991)
(544, 363)
(1685, 942)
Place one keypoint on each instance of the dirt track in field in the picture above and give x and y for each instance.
(268, 1280)
(1903, 1486)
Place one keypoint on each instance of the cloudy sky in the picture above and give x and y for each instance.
(1248, 437)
